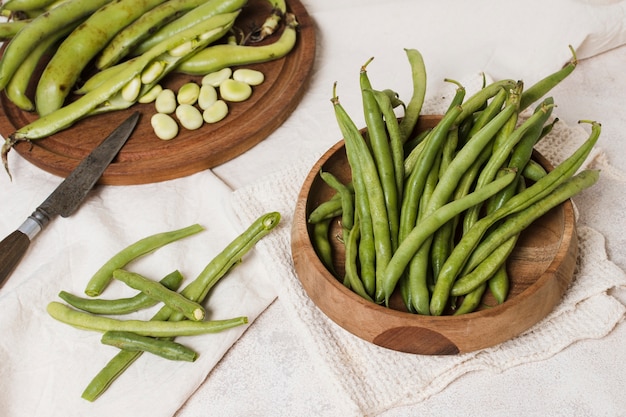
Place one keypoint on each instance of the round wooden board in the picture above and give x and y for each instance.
(540, 268)
(147, 159)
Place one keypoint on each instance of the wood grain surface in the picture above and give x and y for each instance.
(541, 268)
(147, 159)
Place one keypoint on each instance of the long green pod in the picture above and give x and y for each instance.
(80, 47)
(135, 343)
(196, 291)
(414, 240)
(120, 306)
(414, 106)
(519, 221)
(85, 105)
(16, 89)
(363, 158)
(221, 56)
(543, 86)
(26, 5)
(145, 25)
(101, 278)
(190, 19)
(461, 252)
(347, 198)
(172, 299)
(381, 152)
(10, 28)
(480, 99)
(39, 29)
(87, 321)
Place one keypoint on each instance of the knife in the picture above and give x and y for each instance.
(66, 198)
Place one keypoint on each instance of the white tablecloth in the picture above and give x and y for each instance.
(270, 370)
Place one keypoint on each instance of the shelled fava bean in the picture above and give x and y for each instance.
(197, 103)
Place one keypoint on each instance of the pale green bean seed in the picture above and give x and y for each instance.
(188, 93)
(249, 76)
(151, 94)
(215, 112)
(166, 101)
(182, 49)
(233, 90)
(164, 126)
(189, 116)
(217, 77)
(207, 96)
(131, 90)
(152, 71)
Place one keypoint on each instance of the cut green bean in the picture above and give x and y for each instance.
(190, 309)
(103, 276)
(135, 343)
(121, 305)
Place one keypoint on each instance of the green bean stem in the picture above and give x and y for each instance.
(136, 343)
(104, 274)
(121, 305)
(191, 309)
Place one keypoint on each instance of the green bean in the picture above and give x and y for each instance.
(190, 19)
(352, 276)
(523, 218)
(226, 55)
(513, 99)
(326, 210)
(121, 44)
(499, 284)
(347, 204)
(414, 240)
(172, 299)
(321, 243)
(458, 258)
(121, 305)
(85, 105)
(485, 270)
(381, 153)
(542, 87)
(195, 291)
(367, 169)
(471, 301)
(534, 171)
(87, 321)
(414, 107)
(491, 110)
(164, 348)
(416, 181)
(481, 97)
(104, 274)
(39, 29)
(395, 139)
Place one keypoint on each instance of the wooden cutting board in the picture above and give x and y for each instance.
(147, 159)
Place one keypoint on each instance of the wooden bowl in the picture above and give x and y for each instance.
(541, 268)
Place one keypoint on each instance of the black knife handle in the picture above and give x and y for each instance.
(12, 249)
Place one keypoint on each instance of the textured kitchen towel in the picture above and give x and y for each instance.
(377, 379)
(45, 365)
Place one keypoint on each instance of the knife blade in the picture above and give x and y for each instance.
(66, 198)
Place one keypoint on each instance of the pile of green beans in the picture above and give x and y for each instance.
(182, 313)
(435, 215)
(126, 46)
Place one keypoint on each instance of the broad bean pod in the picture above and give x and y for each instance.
(39, 29)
